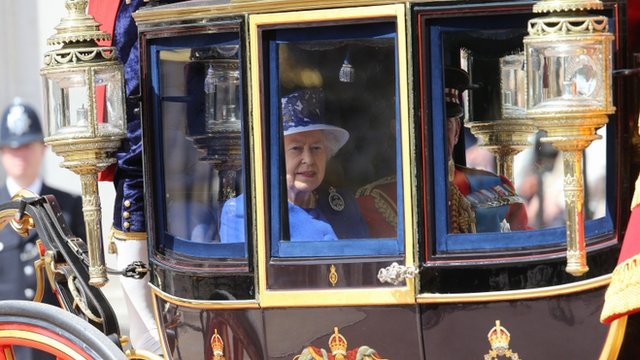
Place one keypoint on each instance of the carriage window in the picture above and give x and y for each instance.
(504, 184)
(197, 82)
(334, 149)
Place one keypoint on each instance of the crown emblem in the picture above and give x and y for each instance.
(338, 349)
(338, 345)
(17, 120)
(217, 345)
(499, 339)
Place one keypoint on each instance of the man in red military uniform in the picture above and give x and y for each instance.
(480, 201)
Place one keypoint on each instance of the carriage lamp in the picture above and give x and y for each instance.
(509, 135)
(569, 95)
(74, 76)
(219, 140)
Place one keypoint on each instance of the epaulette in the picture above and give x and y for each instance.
(366, 189)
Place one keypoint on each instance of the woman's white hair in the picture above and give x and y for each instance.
(332, 142)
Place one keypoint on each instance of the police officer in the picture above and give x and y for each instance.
(22, 150)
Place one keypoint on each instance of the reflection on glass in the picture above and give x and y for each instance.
(512, 76)
(201, 156)
(539, 179)
(566, 76)
(317, 211)
(339, 87)
(532, 198)
(222, 94)
(480, 201)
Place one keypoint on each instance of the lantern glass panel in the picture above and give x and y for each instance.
(222, 89)
(512, 74)
(108, 81)
(66, 98)
(566, 76)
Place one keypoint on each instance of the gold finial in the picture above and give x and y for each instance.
(77, 26)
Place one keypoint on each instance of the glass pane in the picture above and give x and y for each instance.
(108, 81)
(201, 147)
(569, 77)
(70, 113)
(336, 119)
(504, 179)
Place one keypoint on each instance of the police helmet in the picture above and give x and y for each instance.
(20, 125)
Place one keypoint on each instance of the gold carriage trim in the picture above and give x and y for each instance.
(623, 295)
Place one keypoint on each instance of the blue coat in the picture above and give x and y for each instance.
(319, 224)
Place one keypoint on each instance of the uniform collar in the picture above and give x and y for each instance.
(13, 187)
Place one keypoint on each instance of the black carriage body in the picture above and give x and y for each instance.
(216, 77)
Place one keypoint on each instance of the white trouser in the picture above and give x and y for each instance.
(143, 330)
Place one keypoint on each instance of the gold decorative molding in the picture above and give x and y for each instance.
(258, 25)
(139, 354)
(203, 304)
(527, 294)
(25, 223)
(333, 275)
(615, 336)
(547, 6)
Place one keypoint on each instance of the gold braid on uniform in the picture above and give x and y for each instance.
(463, 217)
(385, 205)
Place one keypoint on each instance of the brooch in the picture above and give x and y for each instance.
(335, 200)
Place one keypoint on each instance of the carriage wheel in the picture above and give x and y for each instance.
(52, 330)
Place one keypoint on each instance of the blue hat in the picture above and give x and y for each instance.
(304, 111)
(20, 125)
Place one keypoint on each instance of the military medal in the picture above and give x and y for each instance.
(335, 200)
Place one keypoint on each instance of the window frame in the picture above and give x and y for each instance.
(484, 265)
(169, 248)
(274, 290)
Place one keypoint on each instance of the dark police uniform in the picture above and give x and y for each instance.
(17, 254)
(20, 126)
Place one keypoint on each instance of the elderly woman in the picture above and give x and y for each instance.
(317, 211)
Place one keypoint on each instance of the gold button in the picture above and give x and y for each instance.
(127, 203)
(126, 225)
(126, 215)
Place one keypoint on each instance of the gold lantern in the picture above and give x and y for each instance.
(509, 135)
(569, 95)
(74, 77)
